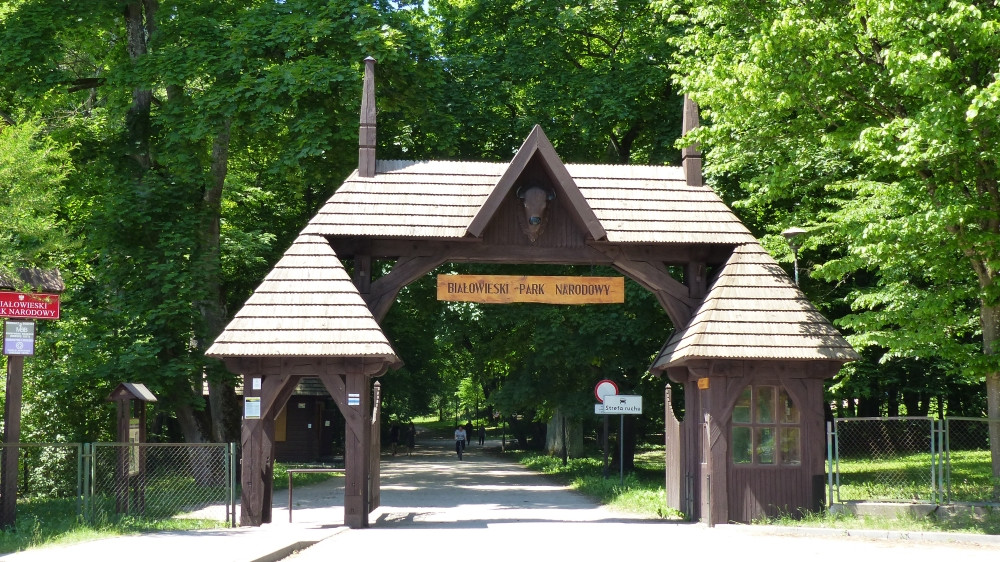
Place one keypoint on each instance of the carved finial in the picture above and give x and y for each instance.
(366, 134)
(690, 155)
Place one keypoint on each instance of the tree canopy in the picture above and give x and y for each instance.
(182, 145)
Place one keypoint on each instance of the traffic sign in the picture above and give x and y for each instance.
(623, 404)
(605, 388)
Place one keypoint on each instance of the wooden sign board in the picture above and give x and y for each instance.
(34, 306)
(503, 289)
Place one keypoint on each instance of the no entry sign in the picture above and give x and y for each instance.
(34, 306)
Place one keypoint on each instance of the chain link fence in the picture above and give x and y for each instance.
(910, 459)
(161, 480)
(103, 481)
(969, 476)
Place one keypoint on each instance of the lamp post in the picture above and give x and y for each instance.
(791, 235)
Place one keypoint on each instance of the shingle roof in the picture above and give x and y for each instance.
(754, 311)
(435, 200)
(307, 306)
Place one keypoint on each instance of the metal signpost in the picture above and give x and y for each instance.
(610, 402)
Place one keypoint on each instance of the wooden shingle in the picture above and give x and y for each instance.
(452, 200)
(307, 306)
(754, 311)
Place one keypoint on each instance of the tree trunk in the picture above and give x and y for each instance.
(139, 25)
(222, 398)
(558, 426)
(990, 318)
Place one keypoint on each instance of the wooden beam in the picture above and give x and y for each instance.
(366, 132)
(407, 270)
(672, 295)
(362, 274)
(473, 250)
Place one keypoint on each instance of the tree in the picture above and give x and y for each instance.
(594, 74)
(878, 122)
(204, 133)
(33, 168)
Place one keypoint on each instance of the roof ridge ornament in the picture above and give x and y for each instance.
(366, 133)
(691, 155)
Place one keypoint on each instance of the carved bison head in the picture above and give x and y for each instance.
(535, 200)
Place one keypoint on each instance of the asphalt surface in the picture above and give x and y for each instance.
(435, 507)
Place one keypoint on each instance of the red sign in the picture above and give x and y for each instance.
(37, 306)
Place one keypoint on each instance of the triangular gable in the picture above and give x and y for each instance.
(307, 306)
(753, 310)
(537, 144)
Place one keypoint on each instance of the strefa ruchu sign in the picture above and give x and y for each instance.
(502, 289)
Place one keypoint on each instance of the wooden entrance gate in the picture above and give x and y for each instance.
(658, 225)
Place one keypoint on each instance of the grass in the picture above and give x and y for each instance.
(988, 524)
(45, 522)
(641, 492)
(301, 478)
(908, 477)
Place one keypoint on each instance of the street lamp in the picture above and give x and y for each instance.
(791, 235)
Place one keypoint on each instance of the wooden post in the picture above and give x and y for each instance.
(121, 465)
(366, 133)
(356, 460)
(251, 476)
(11, 440)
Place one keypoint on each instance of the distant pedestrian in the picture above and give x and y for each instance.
(482, 435)
(411, 439)
(468, 432)
(460, 438)
(394, 437)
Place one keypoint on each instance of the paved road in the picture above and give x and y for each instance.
(435, 507)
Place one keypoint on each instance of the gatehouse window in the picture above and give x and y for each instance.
(766, 428)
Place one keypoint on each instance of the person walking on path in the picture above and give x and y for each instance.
(460, 437)
(394, 437)
(411, 438)
(482, 435)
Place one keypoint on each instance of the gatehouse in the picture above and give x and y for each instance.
(749, 349)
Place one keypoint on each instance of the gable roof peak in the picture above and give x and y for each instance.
(537, 145)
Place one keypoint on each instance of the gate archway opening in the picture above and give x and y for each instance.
(749, 328)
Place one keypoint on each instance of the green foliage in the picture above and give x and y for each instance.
(593, 74)
(875, 124)
(33, 168)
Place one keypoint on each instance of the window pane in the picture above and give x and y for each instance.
(790, 446)
(789, 413)
(765, 445)
(741, 412)
(742, 445)
(765, 404)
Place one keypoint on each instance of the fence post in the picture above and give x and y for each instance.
(836, 454)
(946, 435)
(934, 459)
(232, 484)
(79, 480)
(87, 493)
(829, 464)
